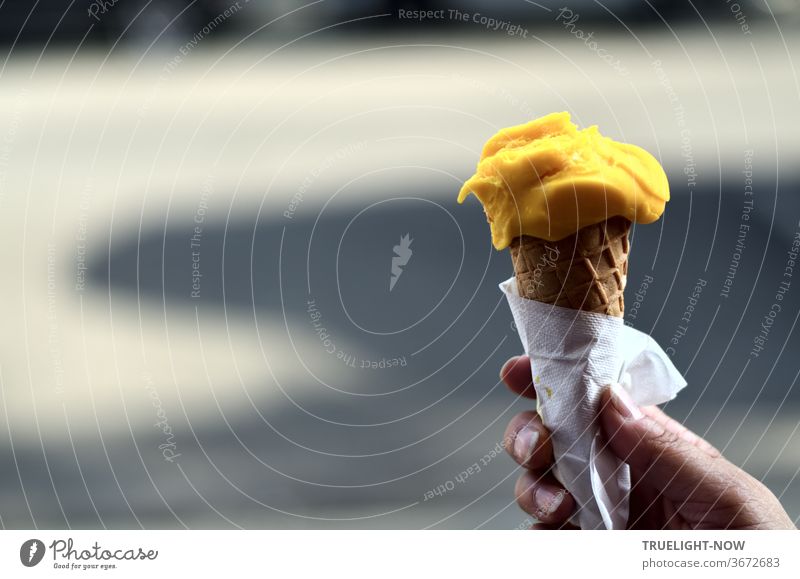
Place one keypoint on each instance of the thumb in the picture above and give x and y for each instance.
(665, 457)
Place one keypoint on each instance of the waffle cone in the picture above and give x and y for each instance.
(585, 271)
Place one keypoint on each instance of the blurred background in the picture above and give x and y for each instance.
(199, 208)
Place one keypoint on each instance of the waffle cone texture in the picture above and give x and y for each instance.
(585, 271)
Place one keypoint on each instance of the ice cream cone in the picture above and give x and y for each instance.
(563, 200)
(584, 271)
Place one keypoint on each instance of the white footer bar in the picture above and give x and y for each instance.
(401, 554)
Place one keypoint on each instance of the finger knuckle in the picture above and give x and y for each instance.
(663, 438)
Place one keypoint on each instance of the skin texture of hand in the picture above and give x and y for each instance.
(679, 481)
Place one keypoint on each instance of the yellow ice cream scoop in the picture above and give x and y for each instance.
(548, 179)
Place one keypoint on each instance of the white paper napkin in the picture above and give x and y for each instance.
(574, 355)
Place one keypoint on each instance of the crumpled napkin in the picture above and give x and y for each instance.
(574, 355)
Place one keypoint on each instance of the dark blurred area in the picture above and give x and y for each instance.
(165, 22)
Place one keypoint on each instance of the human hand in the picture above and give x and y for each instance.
(678, 480)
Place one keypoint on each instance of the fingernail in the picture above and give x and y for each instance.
(525, 443)
(623, 403)
(505, 367)
(547, 501)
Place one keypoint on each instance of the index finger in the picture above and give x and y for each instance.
(517, 375)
